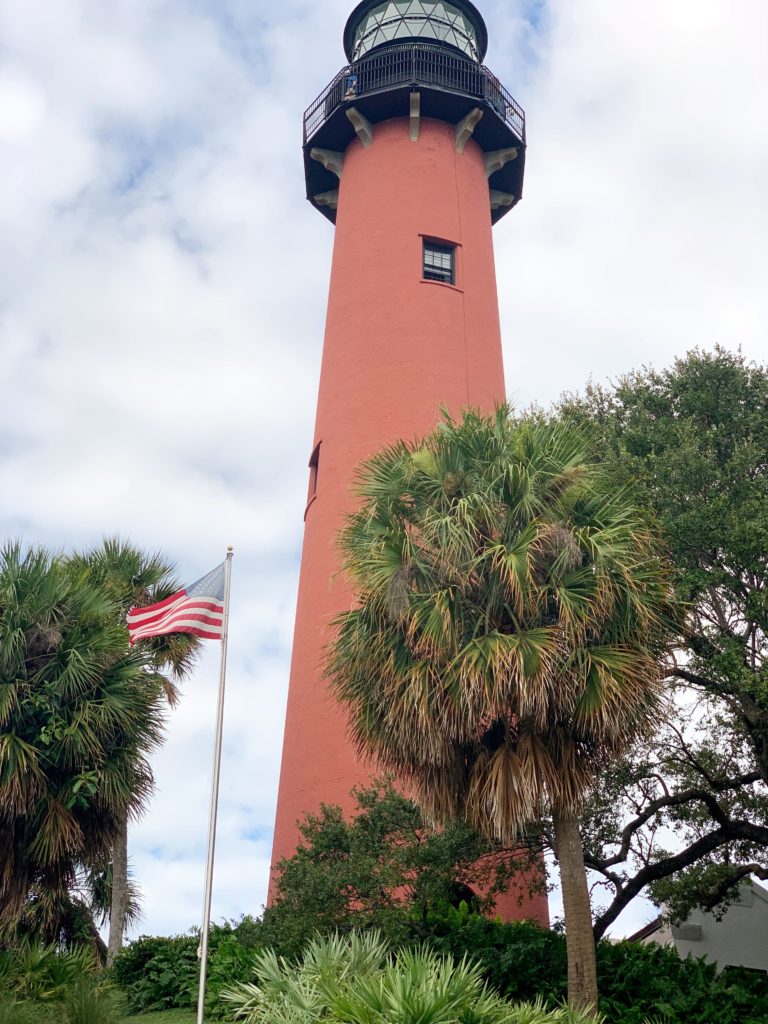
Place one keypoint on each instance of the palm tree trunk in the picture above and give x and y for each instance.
(119, 905)
(580, 942)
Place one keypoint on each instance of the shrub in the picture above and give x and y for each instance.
(352, 979)
(89, 1002)
(12, 1012)
(38, 973)
(230, 961)
(519, 961)
(636, 982)
(158, 973)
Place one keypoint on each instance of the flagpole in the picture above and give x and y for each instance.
(203, 948)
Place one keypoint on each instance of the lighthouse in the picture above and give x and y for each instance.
(413, 151)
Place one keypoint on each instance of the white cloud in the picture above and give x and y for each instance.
(163, 289)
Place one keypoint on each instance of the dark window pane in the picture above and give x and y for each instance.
(439, 263)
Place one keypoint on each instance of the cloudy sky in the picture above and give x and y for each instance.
(163, 284)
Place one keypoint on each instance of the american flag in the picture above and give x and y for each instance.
(197, 609)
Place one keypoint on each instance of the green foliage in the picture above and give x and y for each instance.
(354, 980)
(231, 960)
(89, 1001)
(37, 973)
(78, 718)
(692, 441)
(382, 868)
(512, 608)
(639, 981)
(80, 710)
(12, 1012)
(158, 973)
(163, 1017)
(511, 612)
(521, 962)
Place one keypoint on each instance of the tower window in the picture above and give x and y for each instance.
(314, 462)
(439, 262)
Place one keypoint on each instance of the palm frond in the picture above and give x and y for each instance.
(513, 611)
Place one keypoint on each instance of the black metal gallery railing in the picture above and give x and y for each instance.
(415, 65)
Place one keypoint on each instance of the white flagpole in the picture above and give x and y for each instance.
(203, 948)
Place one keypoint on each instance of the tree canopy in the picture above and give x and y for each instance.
(79, 717)
(512, 610)
(687, 814)
(382, 868)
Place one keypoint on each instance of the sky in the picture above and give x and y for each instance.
(163, 285)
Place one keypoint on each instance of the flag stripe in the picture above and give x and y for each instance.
(159, 604)
(200, 632)
(144, 616)
(208, 634)
(171, 624)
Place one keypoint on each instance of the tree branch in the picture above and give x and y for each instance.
(734, 876)
(730, 830)
(676, 800)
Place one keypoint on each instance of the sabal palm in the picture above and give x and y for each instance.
(77, 723)
(511, 615)
(130, 576)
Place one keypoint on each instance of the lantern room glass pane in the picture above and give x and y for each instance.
(427, 19)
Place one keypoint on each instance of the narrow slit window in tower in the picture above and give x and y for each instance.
(439, 262)
(314, 461)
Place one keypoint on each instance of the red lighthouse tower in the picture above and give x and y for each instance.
(413, 151)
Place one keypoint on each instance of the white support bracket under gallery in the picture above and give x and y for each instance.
(363, 128)
(497, 159)
(500, 199)
(330, 159)
(415, 116)
(465, 127)
(330, 199)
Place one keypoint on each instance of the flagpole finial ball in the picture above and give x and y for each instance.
(230, 548)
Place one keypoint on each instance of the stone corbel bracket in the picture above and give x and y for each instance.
(329, 199)
(330, 159)
(465, 127)
(497, 159)
(501, 199)
(415, 116)
(363, 127)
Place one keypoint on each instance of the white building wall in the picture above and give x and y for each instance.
(739, 939)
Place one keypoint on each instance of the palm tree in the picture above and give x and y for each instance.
(130, 576)
(78, 721)
(511, 616)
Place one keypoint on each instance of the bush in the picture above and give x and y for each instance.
(520, 962)
(12, 1012)
(157, 973)
(353, 979)
(89, 1002)
(38, 973)
(636, 982)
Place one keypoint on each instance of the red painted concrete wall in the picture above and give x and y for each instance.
(396, 349)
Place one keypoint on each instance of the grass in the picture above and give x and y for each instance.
(163, 1017)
